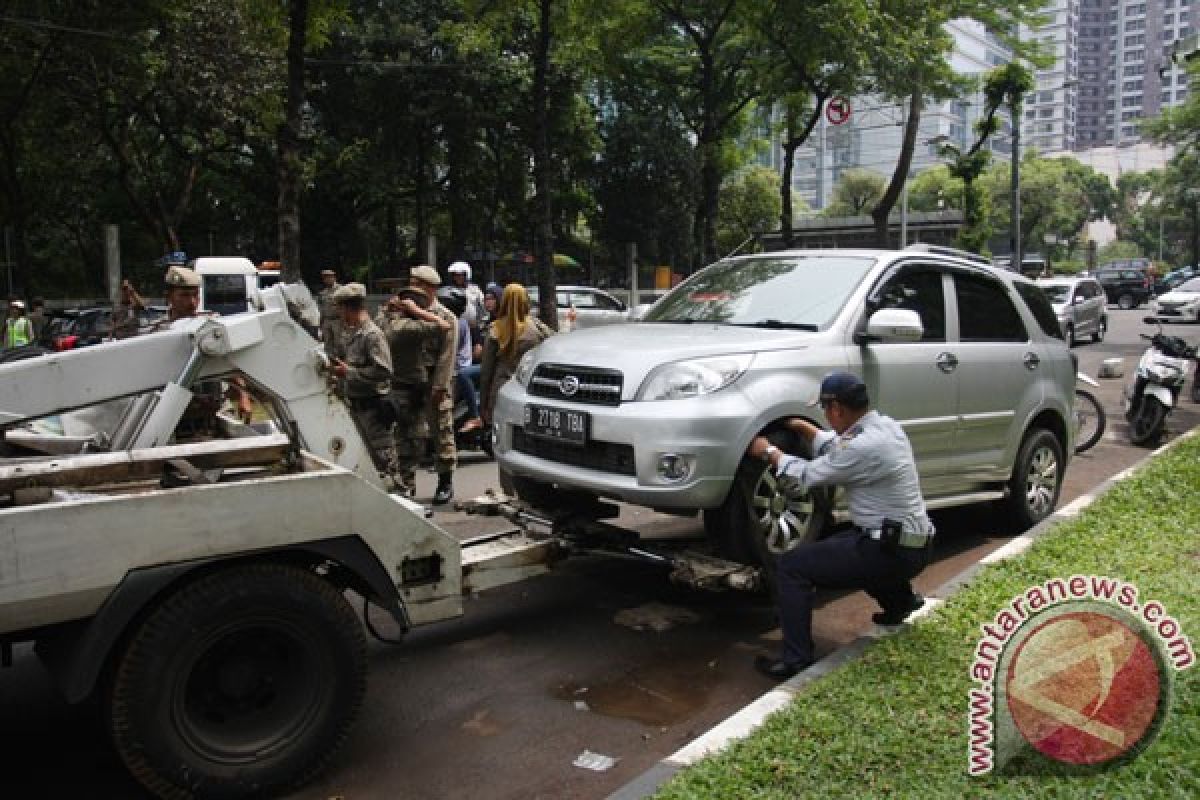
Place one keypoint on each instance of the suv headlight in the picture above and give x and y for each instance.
(693, 378)
(525, 368)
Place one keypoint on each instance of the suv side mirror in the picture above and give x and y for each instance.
(894, 325)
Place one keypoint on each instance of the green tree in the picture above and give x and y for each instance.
(749, 206)
(935, 189)
(856, 193)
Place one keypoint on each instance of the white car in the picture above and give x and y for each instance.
(593, 307)
(1181, 304)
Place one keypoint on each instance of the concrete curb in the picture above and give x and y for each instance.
(746, 720)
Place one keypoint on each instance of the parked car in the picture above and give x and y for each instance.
(1181, 304)
(1079, 304)
(970, 359)
(1173, 278)
(593, 307)
(1128, 287)
(89, 326)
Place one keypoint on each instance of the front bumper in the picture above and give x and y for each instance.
(709, 433)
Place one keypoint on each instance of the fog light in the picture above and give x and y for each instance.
(674, 467)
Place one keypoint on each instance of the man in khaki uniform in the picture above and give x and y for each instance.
(362, 363)
(328, 306)
(181, 286)
(409, 327)
(441, 381)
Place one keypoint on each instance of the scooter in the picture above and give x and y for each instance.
(478, 439)
(1154, 391)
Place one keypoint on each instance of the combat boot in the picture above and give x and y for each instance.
(445, 489)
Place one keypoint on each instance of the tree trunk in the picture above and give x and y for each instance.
(289, 145)
(790, 145)
(883, 208)
(543, 245)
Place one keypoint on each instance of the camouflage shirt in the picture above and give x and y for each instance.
(368, 361)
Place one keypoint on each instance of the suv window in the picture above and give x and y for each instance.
(1039, 305)
(919, 290)
(986, 314)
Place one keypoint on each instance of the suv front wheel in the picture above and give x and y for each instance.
(765, 515)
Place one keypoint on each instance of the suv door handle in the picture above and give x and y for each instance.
(1031, 361)
(947, 362)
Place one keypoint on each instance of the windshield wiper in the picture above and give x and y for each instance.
(778, 324)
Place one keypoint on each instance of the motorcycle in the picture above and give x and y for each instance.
(1090, 419)
(478, 439)
(1154, 390)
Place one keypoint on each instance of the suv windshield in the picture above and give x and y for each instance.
(793, 291)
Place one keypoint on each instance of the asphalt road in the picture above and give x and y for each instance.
(601, 655)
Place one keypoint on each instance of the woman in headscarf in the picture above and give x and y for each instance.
(512, 334)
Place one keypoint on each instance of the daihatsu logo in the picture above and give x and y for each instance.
(569, 386)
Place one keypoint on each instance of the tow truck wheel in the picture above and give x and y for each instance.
(764, 516)
(243, 682)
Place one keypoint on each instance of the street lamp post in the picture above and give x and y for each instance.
(1015, 233)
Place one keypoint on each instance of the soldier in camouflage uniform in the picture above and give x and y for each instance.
(362, 363)
(441, 380)
(330, 316)
(408, 328)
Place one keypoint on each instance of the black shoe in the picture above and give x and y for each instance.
(779, 669)
(895, 616)
(444, 493)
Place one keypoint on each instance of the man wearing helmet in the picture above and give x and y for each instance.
(460, 277)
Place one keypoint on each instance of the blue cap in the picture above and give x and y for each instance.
(844, 387)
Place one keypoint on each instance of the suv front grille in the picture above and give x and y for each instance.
(598, 387)
(601, 456)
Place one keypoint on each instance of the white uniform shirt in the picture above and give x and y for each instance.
(873, 460)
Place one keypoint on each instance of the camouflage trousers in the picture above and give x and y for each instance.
(373, 422)
(410, 432)
(441, 419)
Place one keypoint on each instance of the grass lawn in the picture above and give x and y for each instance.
(894, 723)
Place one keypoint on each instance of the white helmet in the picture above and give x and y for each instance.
(460, 266)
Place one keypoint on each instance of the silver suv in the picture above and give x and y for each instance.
(970, 359)
(1080, 306)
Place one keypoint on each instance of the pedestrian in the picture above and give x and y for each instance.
(511, 335)
(362, 364)
(441, 386)
(890, 538)
(328, 306)
(409, 328)
(181, 287)
(455, 299)
(37, 317)
(125, 316)
(18, 330)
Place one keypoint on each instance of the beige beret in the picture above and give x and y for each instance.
(181, 278)
(350, 290)
(427, 274)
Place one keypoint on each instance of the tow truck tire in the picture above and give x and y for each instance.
(1036, 479)
(243, 682)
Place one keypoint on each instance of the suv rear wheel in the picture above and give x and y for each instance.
(1036, 479)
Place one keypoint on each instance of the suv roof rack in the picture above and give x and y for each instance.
(941, 250)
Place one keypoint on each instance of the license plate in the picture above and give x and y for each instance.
(556, 423)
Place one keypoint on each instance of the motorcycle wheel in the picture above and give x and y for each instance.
(1090, 420)
(1146, 426)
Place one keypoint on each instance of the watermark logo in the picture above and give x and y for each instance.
(1075, 672)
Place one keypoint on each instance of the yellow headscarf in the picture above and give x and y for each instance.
(511, 318)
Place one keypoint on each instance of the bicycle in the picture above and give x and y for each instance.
(1090, 419)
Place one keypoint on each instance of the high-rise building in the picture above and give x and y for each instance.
(1120, 71)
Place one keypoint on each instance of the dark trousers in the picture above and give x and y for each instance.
(848, 560)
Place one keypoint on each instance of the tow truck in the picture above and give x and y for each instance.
(202, 591)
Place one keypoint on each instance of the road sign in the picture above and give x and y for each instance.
(837, 110)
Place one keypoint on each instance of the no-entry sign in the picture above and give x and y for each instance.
(837, 110)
